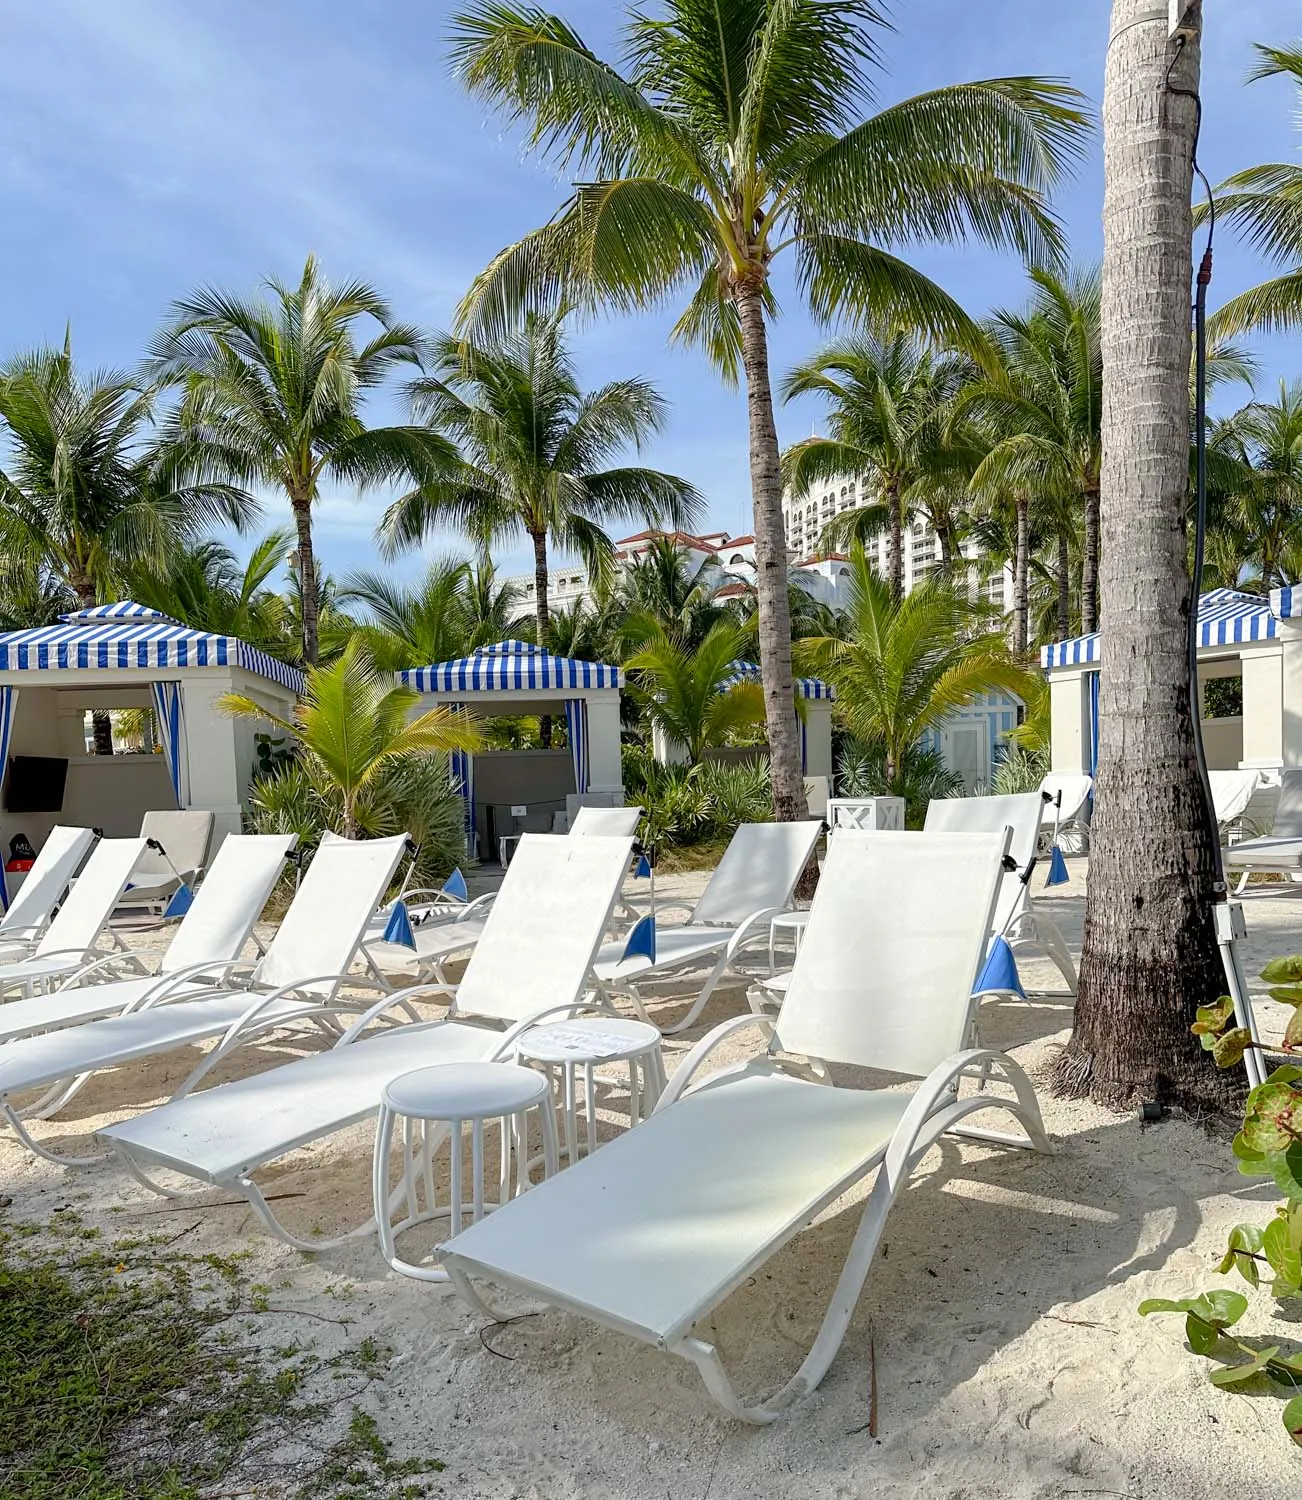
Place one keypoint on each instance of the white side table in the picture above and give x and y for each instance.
(564, 1049)
(793, 922)
(435, 1105)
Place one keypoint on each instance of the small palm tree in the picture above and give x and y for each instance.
(272, 393)
(889, 397)
(1265, 202)
(353, 726)
(1263, 511)
(907, 664)
(732, 135)
(665, 586)
(448, 613)
(536, 450)
(686, 690)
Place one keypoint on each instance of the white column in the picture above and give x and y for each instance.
(1272, 706)
(605, 772)
(1069, 711)
(216, 775)
(818, 732)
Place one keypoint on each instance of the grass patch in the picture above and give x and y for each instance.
(128, 1373)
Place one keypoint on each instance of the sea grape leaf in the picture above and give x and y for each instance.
(1244, 1242)
(1213, 1018)
(1293, 1031)
(1283, 970)
(1228, 1050)
(1293, 1419)
(1206, 1315)
(1285, 1260)
(1287, 1167)
(1286, 1370)
(1286, 994)
(1238, 1374)
(1274, 1117)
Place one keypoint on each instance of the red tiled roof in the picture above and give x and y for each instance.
(731, 590)
(683, 538)
(821, 557)
(739, 541)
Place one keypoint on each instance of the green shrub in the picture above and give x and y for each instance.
(861, 772)
(1019, 770)
(696, 804)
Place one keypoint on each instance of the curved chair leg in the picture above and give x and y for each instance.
(35, 1147)
(702, 1000)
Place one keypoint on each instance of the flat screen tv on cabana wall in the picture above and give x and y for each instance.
(35, 784)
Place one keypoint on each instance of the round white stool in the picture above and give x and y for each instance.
(793, 922)
(567, 1047)
(435, 1105)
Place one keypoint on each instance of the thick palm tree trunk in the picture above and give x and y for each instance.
(1064, 585)
(1150, 958)
(1021, 596)
(542, 618)
(301, 505)
(1089, 574)
(770, 564)
(895, 538)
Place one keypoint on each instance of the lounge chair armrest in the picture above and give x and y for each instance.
(691, 1064)
(683, 906)
(400, 998)
(86, 954)
(104, 961)
(169, 983)
(747, 929)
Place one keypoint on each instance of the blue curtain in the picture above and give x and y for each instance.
(1094, 722)
(8, 703)
(462, 766)
(167, 707)
(804, 741)
(576, 726)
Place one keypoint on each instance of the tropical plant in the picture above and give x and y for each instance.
(731, 134)
(663, 585)
(689, 693)
(207, 588)
(1263, 511)
(272, 392)
(537, 451)
(920, 776)
(449, 612)
(353, 733)
(699, 804)
(1269, 1145)
(906, 665)
(1150, 957)
(889, 396)
(1265, 203)
(30, 594)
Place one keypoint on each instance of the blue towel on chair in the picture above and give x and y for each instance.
(181, 902)
(455, 885)
(641, 941)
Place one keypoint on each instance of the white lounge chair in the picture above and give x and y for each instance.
(650, 1234)
(1017, 919)
(70, 941)
(532, 964)
(1232, 791)
(43, 888)
(1281, 852)
(177, 851)
(297, 979)
(211, 935)
(753, 881)
(447, 934)
(1069, 794)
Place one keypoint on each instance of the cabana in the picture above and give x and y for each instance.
(125, 656)
(515, 791)
(1240, 636)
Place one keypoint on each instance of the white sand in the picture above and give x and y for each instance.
(1010, 1360)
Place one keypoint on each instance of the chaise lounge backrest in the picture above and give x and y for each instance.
(59, 860)
(229, 900)
(758, 871)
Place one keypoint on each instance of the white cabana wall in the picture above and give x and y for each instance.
(1238, 635)
(124, 656)
(514, 677)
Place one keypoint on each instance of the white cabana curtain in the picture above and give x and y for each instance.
(8, 704)
(171, 730)
(576, 727)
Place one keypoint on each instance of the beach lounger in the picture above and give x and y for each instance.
(605, 822)
(43, 888)
(182, 840)
(1281, 852)
(1017, 919)
(532, 964)
(649, 1235)
(753, 881)
(70, 941)
(1232, 791)
(296, 980)
(211, 935)
(1069, 794)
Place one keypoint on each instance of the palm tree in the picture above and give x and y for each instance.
(905, 665)
(730, 135)
(448, 613)
(272, 393)
(664, 585)
(1150, 956)
(1265, 202)
(889, 397)
(1263, 441)
(536, 450)
(85, 490)
(207, 588)
(688, 691)
(353, 726)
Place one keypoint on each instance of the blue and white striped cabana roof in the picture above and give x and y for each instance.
(512, 666)
(1226, 617)
(806, 687)
(128, 637)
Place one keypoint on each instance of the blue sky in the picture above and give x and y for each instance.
(150, 147)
